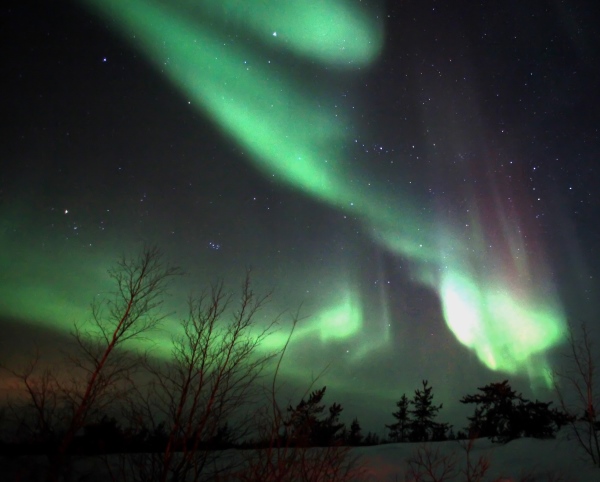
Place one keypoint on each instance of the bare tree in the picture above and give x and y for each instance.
(211, 381)
(37, 421)
(279, 457)
(433, 462)
(579, 379)
(98, 367)
(475, 469)
(429, 464)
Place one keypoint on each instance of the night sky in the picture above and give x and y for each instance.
(420, 177)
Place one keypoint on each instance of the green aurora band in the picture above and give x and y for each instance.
(508, 320)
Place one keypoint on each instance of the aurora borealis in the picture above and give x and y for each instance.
(420, 178)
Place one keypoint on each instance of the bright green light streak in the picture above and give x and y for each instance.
(33, 281)
(333, 32)
(289, 138)
(504, 332)
(341, 321)
(335, 322)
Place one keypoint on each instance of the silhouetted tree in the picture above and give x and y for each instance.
(355, 436)
(371, 439)
(212, 376)
(441, 431)
(223, 438)
(329, 431)
(538, 420)
(399, 431)
(145, 439)
(103, 436)
(422, 424)
(503, 415)
(303, 418)
(99, 368)
(307, 426)
(580, 380)
(284, 453)
(494, 412)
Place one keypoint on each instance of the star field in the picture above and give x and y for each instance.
(420, 177)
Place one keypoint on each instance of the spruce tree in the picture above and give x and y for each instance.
(329, 431)
(422, 425)
(495, 413)
(303, 418)
(371, 439)
(355, 437)
(398, 432)
(503, 415)
(307, 426)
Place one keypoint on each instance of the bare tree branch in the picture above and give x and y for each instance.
(100, 367)
(579, 378)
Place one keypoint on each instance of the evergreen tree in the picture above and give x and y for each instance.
(371, 439)
(103, 436)
(398, 432)
(422, 425)
(355, 436)
(223, 438)
(329, 431)
(441, 431)
(495, 413)
(503, 415)
(306, 426)
(304, 417)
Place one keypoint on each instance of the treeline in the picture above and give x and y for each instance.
(500, 413)
(211, 394)
(166, 418)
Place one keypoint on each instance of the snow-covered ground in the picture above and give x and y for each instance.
(525, 460)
